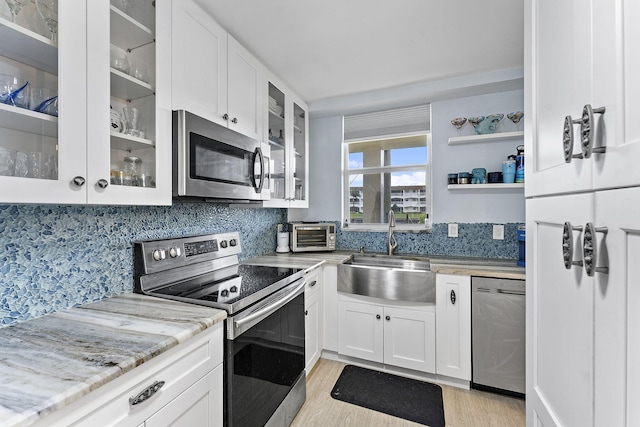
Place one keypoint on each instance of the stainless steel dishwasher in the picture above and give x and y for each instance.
(498, 335)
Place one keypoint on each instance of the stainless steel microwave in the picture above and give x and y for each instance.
(212, 162)
(312, 237)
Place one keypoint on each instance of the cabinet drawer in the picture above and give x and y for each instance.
(314, 282)
(179, 368)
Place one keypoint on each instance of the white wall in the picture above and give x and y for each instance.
(499, 206)
(465, 206)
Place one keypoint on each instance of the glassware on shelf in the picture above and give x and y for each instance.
(475, 121)
(14, 91)
(458, 122)
(15, 6)
(119, 59)
(48, 10)
(132, 169)
(132, 121)
(515, 117)
(43, 100)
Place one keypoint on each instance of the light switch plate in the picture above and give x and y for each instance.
(498, 232)
(453, 230)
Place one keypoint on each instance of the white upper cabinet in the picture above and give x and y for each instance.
(76, 157)
(40, 154)
(587, 61)
(214, 77)
(129, 66)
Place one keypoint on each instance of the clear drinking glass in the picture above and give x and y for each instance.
(48, 10)
(131, 121)
(43, 100)
(14, 91)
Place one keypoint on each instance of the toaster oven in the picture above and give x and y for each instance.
(312, 237)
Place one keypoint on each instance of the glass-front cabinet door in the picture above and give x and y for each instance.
(43, 101)
(286, 127)
(129, 118)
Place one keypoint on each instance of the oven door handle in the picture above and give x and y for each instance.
(259, 155)
(271, 308)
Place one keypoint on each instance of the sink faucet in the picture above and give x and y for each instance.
(392, 243)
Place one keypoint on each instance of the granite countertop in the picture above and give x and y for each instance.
(472, 266)
(54, 360)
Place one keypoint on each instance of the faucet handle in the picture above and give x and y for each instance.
(361, 249)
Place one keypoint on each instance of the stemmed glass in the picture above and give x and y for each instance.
(48, 9)
(458, 122)
(515, 117)
(15, 6)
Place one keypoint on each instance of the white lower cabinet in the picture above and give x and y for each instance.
(191, 394)
(330, 306)
(313, 318)
(453, 325)
(389, 332)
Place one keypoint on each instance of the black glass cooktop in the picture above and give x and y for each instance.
(232, 288)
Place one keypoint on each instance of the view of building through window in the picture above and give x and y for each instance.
(389, 174)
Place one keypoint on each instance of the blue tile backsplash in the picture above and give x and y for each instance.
(474, 240)
(55, 257)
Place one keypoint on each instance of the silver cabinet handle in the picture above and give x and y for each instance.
(378, 316)
(312, 284)
(567, 245)
(146, 393)
(102, 183)
(587, 134)
(78, 181)
(234, 120)
(225, 116)
(590, 249)
(452, 297)
(388, 318)
(567, 139)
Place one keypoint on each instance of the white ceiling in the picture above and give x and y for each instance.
(332, 48)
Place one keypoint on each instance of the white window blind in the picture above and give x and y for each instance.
(388, 122)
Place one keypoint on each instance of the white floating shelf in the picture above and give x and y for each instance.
(484, 186)
(122, 141)
(126, 32)
(276, 145)
(28, 47)
(492, 137)
(124, 86)
(24, 120)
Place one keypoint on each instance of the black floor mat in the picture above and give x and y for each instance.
(401, 397)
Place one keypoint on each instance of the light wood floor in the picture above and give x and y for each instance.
(462, 408)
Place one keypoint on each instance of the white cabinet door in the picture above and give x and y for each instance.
(453, 325)
(199, 406)
(313, 329)
(617, 308)
(330, 306)
(245, 95)
(558, 68)
(409, 339)
(560, 316)
(61, 141)
(361, 334)
(616, 87)
(199, 63)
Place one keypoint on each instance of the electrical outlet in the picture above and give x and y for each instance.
(498, 232)
(453, 230)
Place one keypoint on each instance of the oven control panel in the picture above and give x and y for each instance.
(158, 255)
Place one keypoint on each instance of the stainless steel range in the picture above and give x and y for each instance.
(264, 380)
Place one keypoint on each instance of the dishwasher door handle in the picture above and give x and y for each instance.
(510, 292)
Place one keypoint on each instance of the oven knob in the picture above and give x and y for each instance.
(174, 252)
(224, 293)
(159, 254)
(223, 244)
(233, 242)
(233, 289)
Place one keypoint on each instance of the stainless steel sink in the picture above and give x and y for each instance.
(392, 277)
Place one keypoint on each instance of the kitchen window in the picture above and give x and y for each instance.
(387, 173)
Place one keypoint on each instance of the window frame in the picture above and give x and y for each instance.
(346, 191)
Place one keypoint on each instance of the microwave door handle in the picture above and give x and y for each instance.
(258, 154)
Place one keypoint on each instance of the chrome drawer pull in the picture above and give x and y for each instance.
(590, 249)
(146, 393)
(567, 245)
(567, 139)
(587, 134)
(452, 296)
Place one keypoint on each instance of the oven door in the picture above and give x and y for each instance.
(211, 161)
(264, 359)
